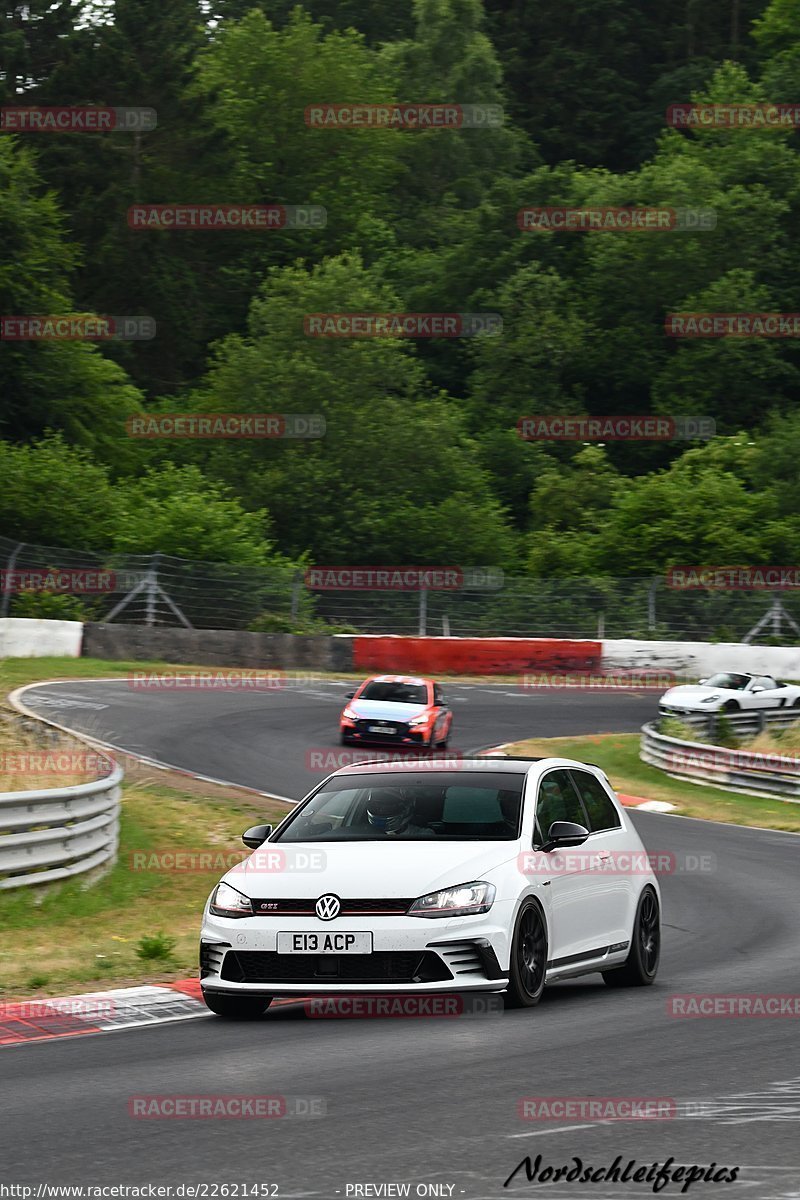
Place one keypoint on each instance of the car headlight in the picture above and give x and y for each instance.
(465, 900)
(350, 715)
(227, 902)
(709, 699)
(421, 720)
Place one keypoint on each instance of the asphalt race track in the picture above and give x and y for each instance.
(435, 1102)
(273, 739)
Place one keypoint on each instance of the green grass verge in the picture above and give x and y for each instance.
(618, 755)
(70, 937)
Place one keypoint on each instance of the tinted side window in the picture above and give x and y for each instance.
(557, 801)
(597, 802)
(438, 698)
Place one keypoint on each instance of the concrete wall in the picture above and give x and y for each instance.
(26, 637)
(699, 659)
(218, 647)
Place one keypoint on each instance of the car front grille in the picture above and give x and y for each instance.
(211, 956)
(382, 967)
(350, 908)
(463, 959)
(399, 729)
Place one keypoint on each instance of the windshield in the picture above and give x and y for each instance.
(400, 693)
(413, 808)
(734, 683)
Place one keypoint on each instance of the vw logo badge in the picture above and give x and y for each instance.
(327, 907)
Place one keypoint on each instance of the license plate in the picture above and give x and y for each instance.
(325, 943)
(382, 729)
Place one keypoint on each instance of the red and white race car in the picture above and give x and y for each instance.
(402, 709)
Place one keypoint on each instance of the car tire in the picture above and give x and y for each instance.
(731, 706)
(641, 966)
(344, 740)
(237, 1008)
(528, 963)
(796, 703)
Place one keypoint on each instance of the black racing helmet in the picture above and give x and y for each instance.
(389, 810)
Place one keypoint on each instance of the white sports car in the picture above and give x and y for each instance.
(487, 875)
(728, 693)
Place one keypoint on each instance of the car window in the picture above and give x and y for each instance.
(413, 807)
(598, 804)
(438, 697)
(733, 683)
(766, 682)
(557, 801)
(399, 693)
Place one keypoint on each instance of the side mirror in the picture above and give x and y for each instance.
(702, 681)
(565, 833)
(349, 695)
(757, 688)
(256, 836)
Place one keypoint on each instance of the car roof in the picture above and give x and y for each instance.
(415, 679)
(502, 764)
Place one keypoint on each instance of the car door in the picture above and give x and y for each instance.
(564, 872)
(616, 867)
(765, 692)
(443, 715)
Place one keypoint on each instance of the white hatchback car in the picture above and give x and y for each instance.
(478, 874)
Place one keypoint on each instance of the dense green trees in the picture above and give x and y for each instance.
(421, 461)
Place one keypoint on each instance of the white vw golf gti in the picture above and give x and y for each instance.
(482, 874)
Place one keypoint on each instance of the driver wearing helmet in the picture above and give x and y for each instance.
(389, 812)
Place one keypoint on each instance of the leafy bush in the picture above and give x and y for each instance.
(45, 605)
(268, 622)
(724, 734)
(675, 728)
(155, 946)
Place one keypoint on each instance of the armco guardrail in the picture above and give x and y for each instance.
(744, 723)
(757, 773)
(56, 833)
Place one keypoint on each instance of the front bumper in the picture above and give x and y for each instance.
(410, 954)
(403, 734)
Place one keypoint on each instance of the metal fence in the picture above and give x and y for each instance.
(773, 775)
(51, 834)
(161, 589)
